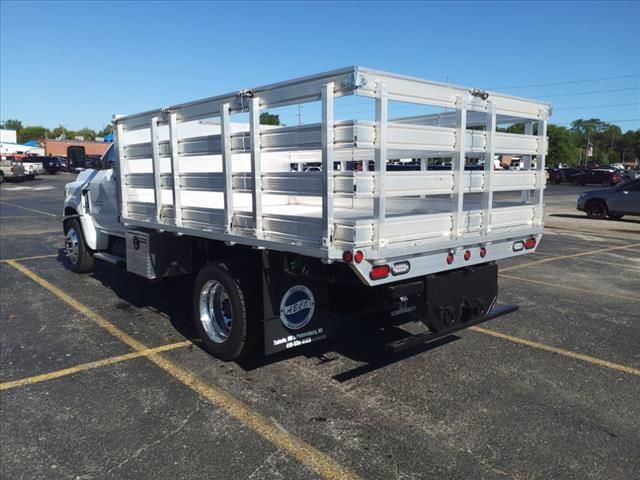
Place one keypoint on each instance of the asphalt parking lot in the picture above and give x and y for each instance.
(99, 378)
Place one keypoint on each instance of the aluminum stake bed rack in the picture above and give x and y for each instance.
(188, 178)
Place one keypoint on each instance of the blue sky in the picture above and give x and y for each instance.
(77, 63)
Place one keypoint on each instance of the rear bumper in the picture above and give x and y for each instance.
(435, 260)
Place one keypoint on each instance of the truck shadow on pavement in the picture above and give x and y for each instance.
(363, 341)
(584, 217)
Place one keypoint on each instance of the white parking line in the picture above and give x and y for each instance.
(29, 209)
(37, 189)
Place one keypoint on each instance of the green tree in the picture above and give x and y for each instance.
(12, 124)
(87, 133)
(267, 118)
(597, 133)
(105, 131)
(515, 128)
(32, 133)
(60, 132)
(562, 146)
(628, 147)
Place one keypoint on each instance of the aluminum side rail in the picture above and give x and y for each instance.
(191, 170)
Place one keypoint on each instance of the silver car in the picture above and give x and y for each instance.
(623, 199)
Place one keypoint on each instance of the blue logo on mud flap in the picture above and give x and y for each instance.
(296, 307)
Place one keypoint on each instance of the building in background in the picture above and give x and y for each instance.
(58, 148)
(10, 147)
(8, 136)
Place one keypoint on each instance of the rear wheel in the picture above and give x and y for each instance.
(75, 248)
(221, 318)
(596, 209)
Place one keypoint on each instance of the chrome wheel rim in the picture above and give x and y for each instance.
(216, 314)
(71, 247)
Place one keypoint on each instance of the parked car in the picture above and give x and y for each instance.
(623, 199)
(600, 176)
(628, 175)
(562, 175)
(10, 169)
(32, 166)
(52, 165)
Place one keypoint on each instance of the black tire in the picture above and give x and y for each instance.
(606, 183)
(576, 183)
(78, 254)
(31, 177)
(226, 341)
(1, 177)
(615, 216)
(596, 209)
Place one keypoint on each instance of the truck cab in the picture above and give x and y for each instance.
(93, 199)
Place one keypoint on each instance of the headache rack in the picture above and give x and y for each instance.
(190, 169)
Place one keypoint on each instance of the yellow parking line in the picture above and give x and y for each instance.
(559, 351)
(91, 365)
(573, 255)
(314, 459)
(30, 209)
(565, 287)
(7, 260)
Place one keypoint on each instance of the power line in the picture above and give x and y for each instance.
(571, 82)
(588, 93)
(584, 107)
(607, 121)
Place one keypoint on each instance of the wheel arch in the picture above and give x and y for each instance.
(92, 237)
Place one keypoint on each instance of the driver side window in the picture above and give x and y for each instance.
(109, 159)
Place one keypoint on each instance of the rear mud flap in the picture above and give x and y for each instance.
(460, 297)
(295, 312)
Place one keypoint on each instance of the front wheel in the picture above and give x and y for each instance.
(597, 210)
(75, 248)
(221, 316)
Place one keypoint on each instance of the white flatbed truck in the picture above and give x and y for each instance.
(281, 256)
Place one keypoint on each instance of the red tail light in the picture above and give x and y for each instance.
(450, 258)
(347, 256)
(379, 272)
(483, 252)
(359, 256)
(530, 243)
(467, 255)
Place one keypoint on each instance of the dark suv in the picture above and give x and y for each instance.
(51, 164)
(603, 177)
(562, 175)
